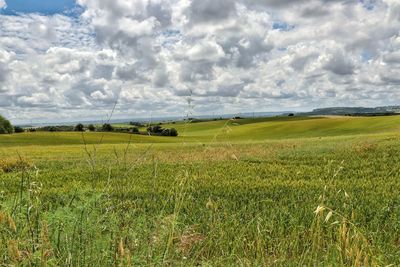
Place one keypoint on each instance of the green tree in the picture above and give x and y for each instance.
(79, 127)
(107, 127)
(18, 129)
(165, 132)
(135, 130)
(5, 126)
(173, 132)
(91, 128)
(155, 129)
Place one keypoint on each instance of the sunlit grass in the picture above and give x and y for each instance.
(328, 198)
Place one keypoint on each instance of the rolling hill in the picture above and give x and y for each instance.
(241, 130)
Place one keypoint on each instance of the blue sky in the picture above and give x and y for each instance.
(46, 7)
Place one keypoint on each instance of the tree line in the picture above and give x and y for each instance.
(7, 128)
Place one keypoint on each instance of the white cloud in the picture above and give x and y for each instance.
(207, 50)
(3, 4)
(229, 55)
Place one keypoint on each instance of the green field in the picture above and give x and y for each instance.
(301, 191)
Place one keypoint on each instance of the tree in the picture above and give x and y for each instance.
(52, 129)
(107, 127)
(91, 128)
(155, 129)
(173, 132)
(158, 130)
(165, 132)
(5, 126)
(135, 130)
(18, 129)
(79, 127)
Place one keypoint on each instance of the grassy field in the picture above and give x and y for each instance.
(310, 191)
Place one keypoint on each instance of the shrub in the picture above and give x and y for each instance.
(91, 128)
(122, 130)
(107, 127)
(165, 132)
(135, 130)
(18, 129)
(60, 128)
(158, 130)
(79, 127)
(173, 132)
(53, 129)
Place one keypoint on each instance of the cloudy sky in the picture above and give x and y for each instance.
(73, 60)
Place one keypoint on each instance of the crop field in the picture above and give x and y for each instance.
(284, 191)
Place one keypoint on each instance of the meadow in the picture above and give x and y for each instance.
(282, 191)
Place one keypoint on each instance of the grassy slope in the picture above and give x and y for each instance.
(184, 204)
(281, 128)
(238, 130)
(73, 138)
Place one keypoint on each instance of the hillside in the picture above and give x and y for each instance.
(356, 111)
(223, 193)
(242, 130)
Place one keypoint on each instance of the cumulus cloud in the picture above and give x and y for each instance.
(5, 59)
(340, 64)
(3, 4)
(207, 50)
(210, 11)
(230, 56)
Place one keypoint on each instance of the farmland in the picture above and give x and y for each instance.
(309, 191)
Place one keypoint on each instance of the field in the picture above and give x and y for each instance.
(308, 191)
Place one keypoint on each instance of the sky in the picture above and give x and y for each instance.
(70, 60)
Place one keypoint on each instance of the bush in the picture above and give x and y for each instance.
(107, 127)
(18, 129)
(60, 128)
(158, 130)
(135, 130)
(165, 132)
(52, 129)
(173, 132)
(122, 130)
(79, 127)
(91, 128)
(5, 126)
